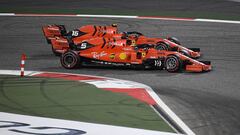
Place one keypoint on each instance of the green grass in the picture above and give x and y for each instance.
(184, 14)
(77, 101)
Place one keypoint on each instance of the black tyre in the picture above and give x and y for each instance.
(174, 40)
(185, 53)
(55, 52)
(173, 63)
(162, 46)
(70, 60)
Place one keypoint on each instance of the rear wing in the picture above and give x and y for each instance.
(51, 31)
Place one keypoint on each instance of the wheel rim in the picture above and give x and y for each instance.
(69, 60)
(171, 63)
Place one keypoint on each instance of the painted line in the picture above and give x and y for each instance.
(117, 82)
(218, 21)
(124, 16)
(165, 18)
(7, 14)
(106, 16)
(47, 15)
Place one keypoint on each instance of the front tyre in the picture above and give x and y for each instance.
(162, 46)
(174, 40)
(70, 60)
(173, 63)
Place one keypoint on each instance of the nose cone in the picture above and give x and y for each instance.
(207, 67)
(195, 54)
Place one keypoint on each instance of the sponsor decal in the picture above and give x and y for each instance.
(97, 55)
(153, 57)
(127, 49)
(143, 54)
(122, 56)
(119, 43)
(112, 56)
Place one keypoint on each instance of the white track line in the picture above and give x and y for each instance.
(106, 16)
(7, 14)
(217, 21)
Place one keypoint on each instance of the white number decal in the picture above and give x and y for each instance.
(74, 33)
(158, 63)
(83, 45)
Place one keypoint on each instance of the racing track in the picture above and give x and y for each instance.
(208, 102)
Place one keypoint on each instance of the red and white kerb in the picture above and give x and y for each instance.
(23, 58)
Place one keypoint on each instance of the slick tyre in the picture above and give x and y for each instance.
(174, 40)
(162, 46)
(173, 63)
(70, 60)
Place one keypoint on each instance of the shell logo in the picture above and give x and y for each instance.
(122, 56)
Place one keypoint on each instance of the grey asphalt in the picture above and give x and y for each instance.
(208, 103)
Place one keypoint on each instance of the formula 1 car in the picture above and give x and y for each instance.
(107, 51)
(57, 36)
(169, 43)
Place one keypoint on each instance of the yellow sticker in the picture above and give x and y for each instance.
(143, 54)
(122, 56)
(112, 56)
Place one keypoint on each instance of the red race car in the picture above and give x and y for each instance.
(169, 44)
(57, 36)
(123, 52)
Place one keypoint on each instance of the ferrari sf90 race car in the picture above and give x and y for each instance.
(57, 36)
(107, 51)
(168, 44)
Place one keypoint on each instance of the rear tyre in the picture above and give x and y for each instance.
(174, 40)
(162, 46)
(173, 63)
(70, 60)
